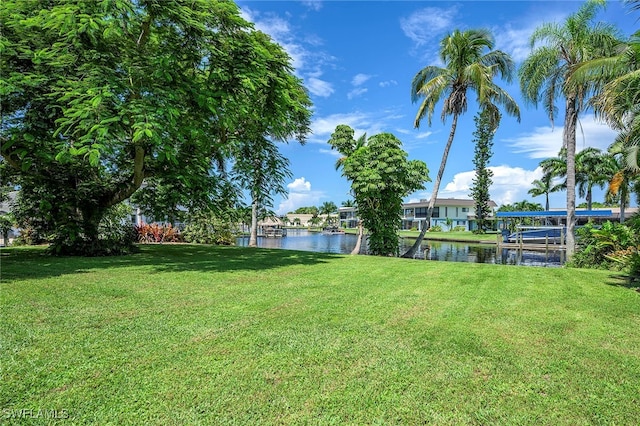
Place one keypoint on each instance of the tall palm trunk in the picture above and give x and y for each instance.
(253, 235)
(436, 186)
(570, 122)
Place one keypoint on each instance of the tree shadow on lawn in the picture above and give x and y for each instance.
(31, 263)
(626, 281)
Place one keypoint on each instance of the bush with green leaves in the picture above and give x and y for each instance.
(207, 228)
(612, 246)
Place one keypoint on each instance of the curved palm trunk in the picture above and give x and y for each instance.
(569, 136)
(356, 249)
(436, 186)
(253, 235)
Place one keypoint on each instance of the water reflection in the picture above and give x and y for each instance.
(301, 239)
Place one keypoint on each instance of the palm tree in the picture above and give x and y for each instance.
(327, 208)
(468, 65)
(544, 186)
(593, 168)
(544, 76)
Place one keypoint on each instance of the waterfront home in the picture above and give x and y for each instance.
(448, 213)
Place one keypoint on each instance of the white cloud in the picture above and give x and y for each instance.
(514, 41)
(426, 24)
(357, 92)
(300, 195)
(423, 135)
(545, 142)
(322, 128)
(510, 184)
(331, 152)
(360, 79)
(313, 4)
(514, 38)
(319, 87)
(299, 185)
(388, 83)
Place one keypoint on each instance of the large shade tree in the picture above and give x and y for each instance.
(380, 176)
(99, 97)
(470, 63)
(558, 49)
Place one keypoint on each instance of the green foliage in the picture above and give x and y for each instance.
(613, 246)
(435, 228)
(99, 97)
(208, 228)
(116, 236)
(482, 180)
(307, 210)
(381, 176)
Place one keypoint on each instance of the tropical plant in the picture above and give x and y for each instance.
(544, 186)
(469, 63)
(327, 208)
(380, 176)
(544, 76)
(612, 246)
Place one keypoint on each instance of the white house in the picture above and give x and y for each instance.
(459, 211)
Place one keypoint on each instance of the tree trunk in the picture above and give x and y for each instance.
(436, 186)
(569, 141)
(623, 199)
(253, 234)
(356, 249)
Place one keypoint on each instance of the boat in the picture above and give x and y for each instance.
(332, 230)
(537, 235)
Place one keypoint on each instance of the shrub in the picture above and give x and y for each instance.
(206, 228)
(613, 246)
(158, 233)
(435, 228)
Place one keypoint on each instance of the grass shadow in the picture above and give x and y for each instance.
(22, 263)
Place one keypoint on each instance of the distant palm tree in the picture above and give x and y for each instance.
(327, 208)
(469, 63)
(348, 203)
(544, 186)
(544, 76)
(593, 168)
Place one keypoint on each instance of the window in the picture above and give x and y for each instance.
(465, 210)
(422, 212)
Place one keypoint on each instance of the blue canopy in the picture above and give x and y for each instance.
(556, 213)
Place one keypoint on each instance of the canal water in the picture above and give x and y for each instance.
(301, 239)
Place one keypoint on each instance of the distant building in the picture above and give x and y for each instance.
(459, 212)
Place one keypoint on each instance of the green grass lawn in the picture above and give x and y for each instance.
(181, 334)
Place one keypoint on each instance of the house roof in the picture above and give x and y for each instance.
(450, 202)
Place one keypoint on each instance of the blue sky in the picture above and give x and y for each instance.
(357, 59)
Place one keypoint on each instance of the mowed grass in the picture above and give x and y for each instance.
(182, 334)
